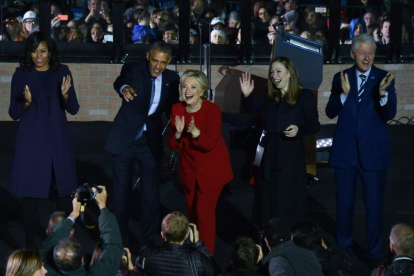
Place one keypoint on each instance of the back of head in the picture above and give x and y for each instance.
(54, 219)
(68, 255)
(175, 227)
(277, 231)
(307, 234)
(244, 254)
(24, 262)
(402, 238)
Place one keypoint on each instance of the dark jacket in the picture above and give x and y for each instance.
(44, 141)
(362, 126)
(287, 260)
(143, 34)
(133, 115)
(401, 265)
(174, 259)
(112, 248)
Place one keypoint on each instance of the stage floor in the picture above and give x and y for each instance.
(234, 210)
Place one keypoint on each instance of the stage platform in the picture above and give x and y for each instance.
(234, 210)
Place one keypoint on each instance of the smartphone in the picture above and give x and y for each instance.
(320, 9)
(97, 13)
(62, 17)
(109, 38)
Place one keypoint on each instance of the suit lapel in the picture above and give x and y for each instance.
(354, 84)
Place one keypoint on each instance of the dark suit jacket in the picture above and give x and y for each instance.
(363, 126)
(133, 115)
(43, 136)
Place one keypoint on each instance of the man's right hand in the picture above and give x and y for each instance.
(345, 83)
(194, 234)
(129, 93)
(100, 197)
(75, 208)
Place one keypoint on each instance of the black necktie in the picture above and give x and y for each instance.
(153, 91)
(361, 87)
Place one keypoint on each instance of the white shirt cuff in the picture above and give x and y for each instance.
(384, 100)
(343, 98)
(122, 88)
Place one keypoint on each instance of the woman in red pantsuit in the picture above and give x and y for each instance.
(204, 161)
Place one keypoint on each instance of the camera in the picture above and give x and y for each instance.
(85, 193)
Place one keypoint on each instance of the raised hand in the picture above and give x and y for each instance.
(291, 131)
(386, 81)
(345, 83)
(246, 84)
(65, 87)
(195, 132)
(129, 93)
(27, 96)
(179, 126)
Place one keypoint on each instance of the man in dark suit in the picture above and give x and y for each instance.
(148, 90)
(363, 97)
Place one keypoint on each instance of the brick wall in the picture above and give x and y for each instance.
(99, 102)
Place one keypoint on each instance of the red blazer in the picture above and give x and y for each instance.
(206, 159)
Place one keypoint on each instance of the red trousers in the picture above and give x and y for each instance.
(202, 210)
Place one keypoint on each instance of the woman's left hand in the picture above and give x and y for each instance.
(65, 87)
(195, 132)
(291, 131)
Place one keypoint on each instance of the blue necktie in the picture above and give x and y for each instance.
(151, 100)
(361, 87)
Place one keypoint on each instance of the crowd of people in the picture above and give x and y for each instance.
(144, 23)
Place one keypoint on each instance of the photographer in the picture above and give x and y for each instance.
(181, 252)
(68, 254)
(96, 15)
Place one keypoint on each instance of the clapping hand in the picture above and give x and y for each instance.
(246, 84)
(291, 131)
(27, 96)
(65, 87)
(195, 132)
(179, 126)
(386, 81)
(345, 83)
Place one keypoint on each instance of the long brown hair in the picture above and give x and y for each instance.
(275, 94)
(24, 262)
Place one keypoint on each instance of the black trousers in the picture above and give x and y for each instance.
(123, 167)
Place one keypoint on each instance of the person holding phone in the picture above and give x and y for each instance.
(291, 114)
(42, 91)
(96, 15)
(204, 161)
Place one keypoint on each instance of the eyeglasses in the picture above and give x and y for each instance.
(169, 32)
(263, 13)
(30, 22)
(198, 5)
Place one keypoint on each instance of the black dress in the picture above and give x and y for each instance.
(281, 191)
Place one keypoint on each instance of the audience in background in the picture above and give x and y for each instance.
(262, 24)
(218, 37)
(142, 32)
(11, 29)
(370, 18)
(385, 31)
(312, 22)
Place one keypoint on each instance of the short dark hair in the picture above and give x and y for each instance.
(141, 15)
(245, 254)
(162, 47)
(31, 44)
(307, 234)
(175, 227)
(55, 218)
(68, 255)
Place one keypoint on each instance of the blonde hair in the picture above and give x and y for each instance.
(24, 262)
(175, 227)
(275, 94)
(200, 77)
